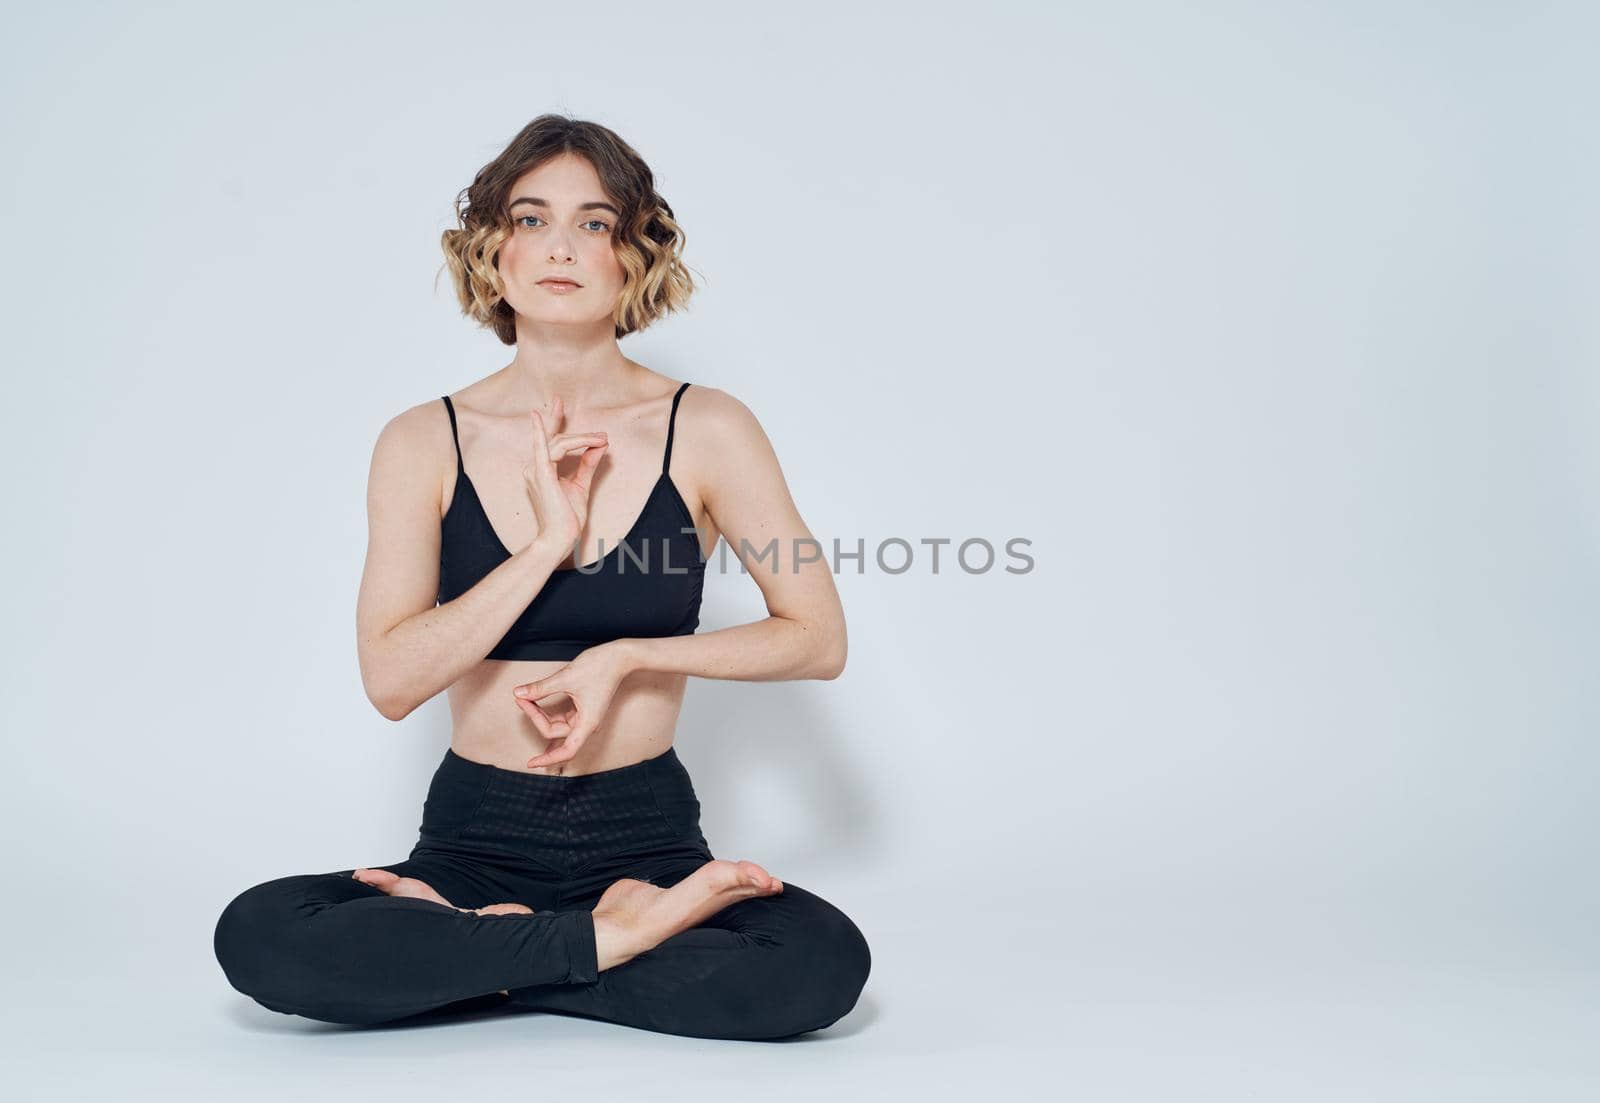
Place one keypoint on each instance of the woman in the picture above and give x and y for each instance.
(560, 617)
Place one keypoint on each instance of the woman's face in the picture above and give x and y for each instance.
(562, 224)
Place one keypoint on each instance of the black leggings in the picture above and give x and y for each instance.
(330, 948)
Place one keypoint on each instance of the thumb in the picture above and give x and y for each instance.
(543, 687)
(586, 466)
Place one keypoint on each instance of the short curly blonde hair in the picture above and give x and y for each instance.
(648, 241)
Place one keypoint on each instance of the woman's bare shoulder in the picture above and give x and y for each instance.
(724, 443)
(417, 425)
(712, 414)
(414, 446)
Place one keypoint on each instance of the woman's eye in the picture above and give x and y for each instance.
(605, 226)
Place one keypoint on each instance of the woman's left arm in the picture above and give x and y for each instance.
(748, 499)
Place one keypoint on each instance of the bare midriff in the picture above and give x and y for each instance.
(488, 726)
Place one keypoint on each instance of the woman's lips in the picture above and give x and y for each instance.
(560, 287)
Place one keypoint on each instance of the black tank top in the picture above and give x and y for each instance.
(648, 585)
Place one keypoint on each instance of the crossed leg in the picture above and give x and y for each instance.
(763, 968)
(631, 915)
(339, 949)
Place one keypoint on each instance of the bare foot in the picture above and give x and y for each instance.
(396, 885)
(633, 916)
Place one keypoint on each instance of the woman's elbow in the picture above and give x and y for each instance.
(390, 705)
(386, 698)
(391, 708)
(830, 664)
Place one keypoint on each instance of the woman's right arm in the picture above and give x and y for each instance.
(408, 647)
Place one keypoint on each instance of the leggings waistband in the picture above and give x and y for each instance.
(619, 779)
(563, 822)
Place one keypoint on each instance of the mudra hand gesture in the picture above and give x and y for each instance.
(583, 688)
(582, 691)
(560, 504)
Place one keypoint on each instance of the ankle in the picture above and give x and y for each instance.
(615, 942)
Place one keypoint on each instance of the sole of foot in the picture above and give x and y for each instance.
(395, 885)
(633, 916)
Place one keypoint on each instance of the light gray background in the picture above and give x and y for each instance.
(1270, 325)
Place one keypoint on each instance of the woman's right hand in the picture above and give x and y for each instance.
(560, 505)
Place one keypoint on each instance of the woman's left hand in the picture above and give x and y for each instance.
(588, 683)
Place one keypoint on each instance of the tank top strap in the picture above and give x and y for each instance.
(455, 436)
(672, 423)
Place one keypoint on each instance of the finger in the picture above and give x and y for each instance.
(554, 413)
(563, 751)
(539, 687)
(585, 473)
(541, 468)
(550, 727)
(556, 752)
(573, 713)
(596, 435)
(542, 721)
(571, 739)
(544, 433)
(557, 438)
(562, 721)
(563, 446)
(546, 715)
